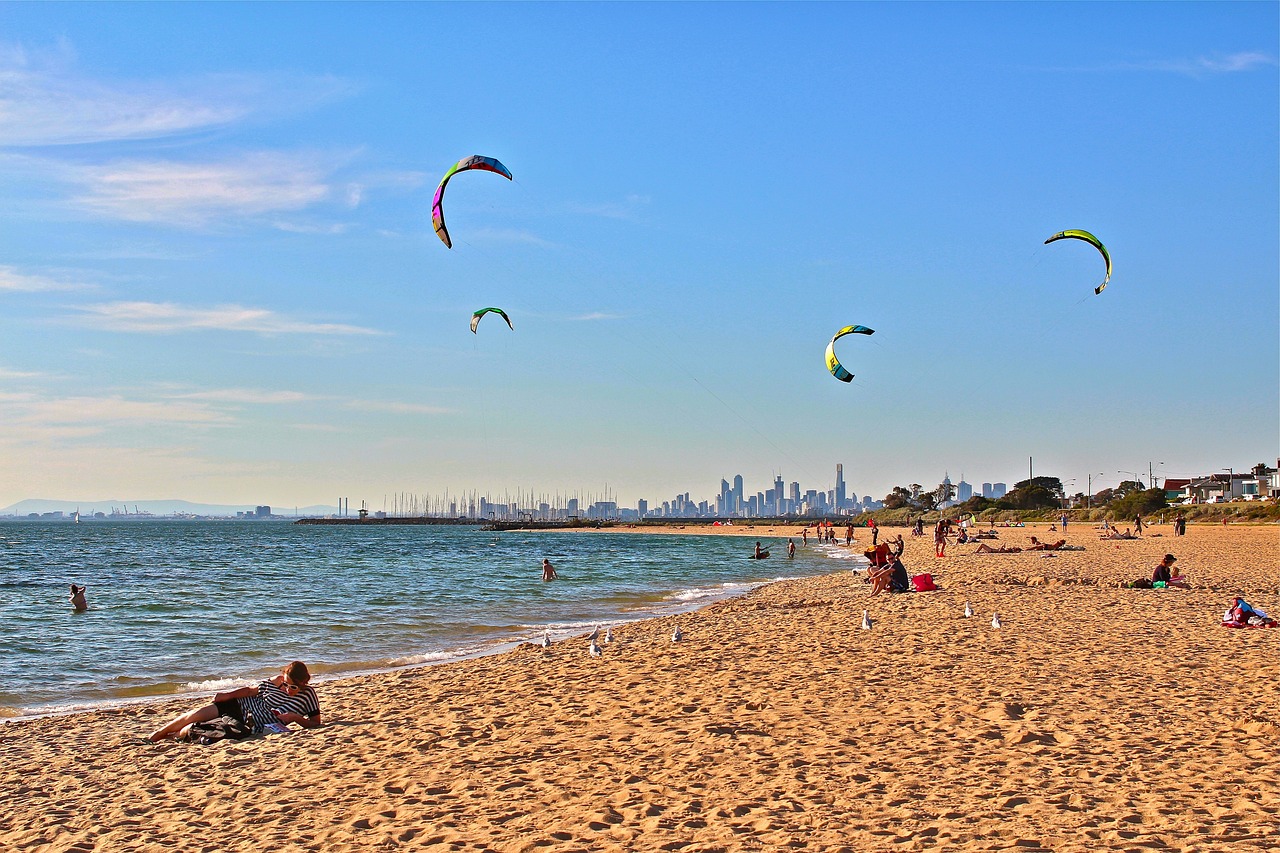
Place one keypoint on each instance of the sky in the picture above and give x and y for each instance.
(219, 280)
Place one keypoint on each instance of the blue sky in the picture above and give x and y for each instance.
(219, 280)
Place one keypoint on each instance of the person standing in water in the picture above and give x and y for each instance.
(78, 601)
(548, 572)
(791, 548)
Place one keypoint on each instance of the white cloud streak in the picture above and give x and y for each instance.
(12, 280)
(168, 318)
(252, 396)
(1203, 66)
(397, 408)
(194, 194)
(91, 414)
(45, 101)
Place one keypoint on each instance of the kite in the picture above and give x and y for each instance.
(475, 161)
(833, 363)
(475, 318)
(1092, 241)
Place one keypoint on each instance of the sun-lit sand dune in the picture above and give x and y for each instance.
(1096, 717)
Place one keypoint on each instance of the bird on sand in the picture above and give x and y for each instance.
(676, 636)
(866, 621)
(608, 635)
(995, 620)
(968, 611)
(595, 650)
(546, 639)
(595, 635)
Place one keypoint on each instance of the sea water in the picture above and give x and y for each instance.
(197, 606)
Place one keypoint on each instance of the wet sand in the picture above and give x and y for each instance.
(1095, 718)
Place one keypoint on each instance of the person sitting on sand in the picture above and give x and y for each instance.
(78, 601)
(1241, 614)
(1177, 579)
(984, 548)
(285, 698)
(891, 576)
(1162, 573)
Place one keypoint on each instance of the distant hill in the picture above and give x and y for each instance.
(157, 508)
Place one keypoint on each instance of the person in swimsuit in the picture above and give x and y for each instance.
(77, 598)
(548, 572)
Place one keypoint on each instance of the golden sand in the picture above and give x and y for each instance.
(1095, 718)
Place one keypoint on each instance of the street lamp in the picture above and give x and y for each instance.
(1088, 499)
(1133, 474)
(1151, 476)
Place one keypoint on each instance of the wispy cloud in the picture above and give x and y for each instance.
(195, 194)
(6, 373)
(93, 413)
(1199, 66)
(254, 396)
(167, 317)
(596, 315)
(11, 279)
(629, 208)
(397, 408)
(45, 100)
(501, 235)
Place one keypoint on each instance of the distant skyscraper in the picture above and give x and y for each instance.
(840, 492)
(964, 490)
(986, 491)
(739, 499)
(998, 491)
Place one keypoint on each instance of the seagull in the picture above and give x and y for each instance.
(676, 636)
(546, 639)
(995, 620)
(595, 650)
(866, 621)
(595, 635)
(968, 611)
(608, 635)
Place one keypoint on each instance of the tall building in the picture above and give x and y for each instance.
(964, 490)
(739, 499)
(987, 491)
(840, 488)
(998, 491)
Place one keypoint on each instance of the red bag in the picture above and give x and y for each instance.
(923, 583)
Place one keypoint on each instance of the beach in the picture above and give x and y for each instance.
(1095, 717)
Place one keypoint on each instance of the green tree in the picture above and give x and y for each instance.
(1036, 493)
(1138, 502)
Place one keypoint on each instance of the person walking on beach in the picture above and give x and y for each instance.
(1179, 525)
(1137, 525)
(78, 601)
(548, 572)
(940, 538)
(1063, 522)
(283, 699)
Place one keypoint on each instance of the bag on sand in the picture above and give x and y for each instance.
(923, 583)
(222, 728)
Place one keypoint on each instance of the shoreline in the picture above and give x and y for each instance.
(1095, 718)
(672, 602)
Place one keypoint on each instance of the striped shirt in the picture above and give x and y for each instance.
(270, 697)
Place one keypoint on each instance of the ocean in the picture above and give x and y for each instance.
(197, 606)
